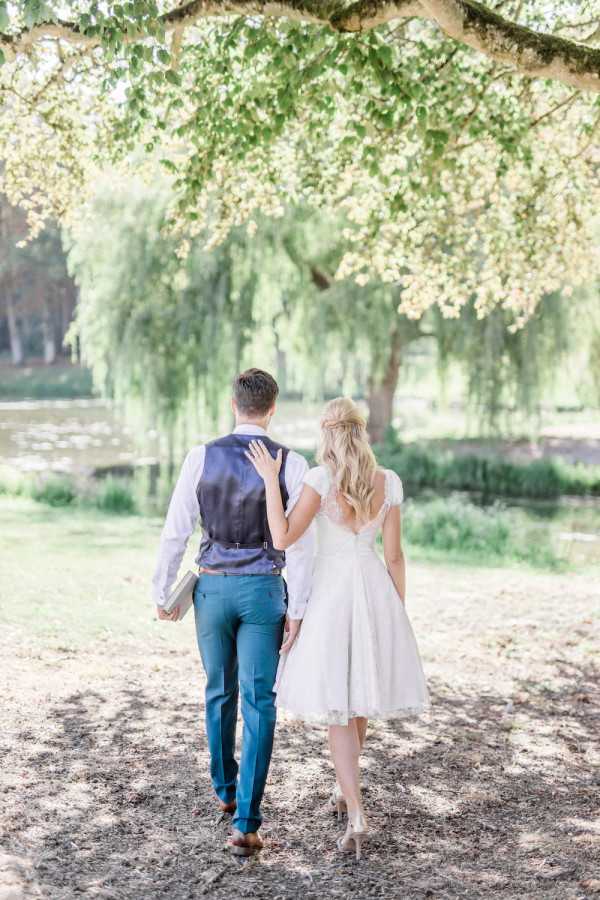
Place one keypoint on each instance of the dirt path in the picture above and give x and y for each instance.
(105, 791)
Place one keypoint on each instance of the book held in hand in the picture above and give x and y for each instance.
(182, 595)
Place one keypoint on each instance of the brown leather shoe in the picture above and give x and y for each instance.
(227, 807)
(242, 844)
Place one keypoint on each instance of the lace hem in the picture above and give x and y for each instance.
(339, 717)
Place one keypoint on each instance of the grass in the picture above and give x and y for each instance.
(95, 580)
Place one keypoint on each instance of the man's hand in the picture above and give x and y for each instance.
(292, 627)
(171, 616)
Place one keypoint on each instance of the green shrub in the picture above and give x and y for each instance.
(458, 528)
(451, 524)
(543, 479)
(55, 491)
(422, 469)
(115, 495)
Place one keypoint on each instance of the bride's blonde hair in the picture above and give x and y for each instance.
(346, 452)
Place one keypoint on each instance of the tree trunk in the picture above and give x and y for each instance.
(7, 286)
(382, 391)
(14, 330)
(48, 326)
(281, 367)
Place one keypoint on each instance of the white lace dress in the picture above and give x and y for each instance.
(356, 654)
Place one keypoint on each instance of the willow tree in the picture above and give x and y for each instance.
(458, 139)
(507, 371)
(162, 334)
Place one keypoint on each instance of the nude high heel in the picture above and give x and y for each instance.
(356, 831)
(337, 802)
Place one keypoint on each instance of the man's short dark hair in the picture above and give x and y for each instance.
(254, 392)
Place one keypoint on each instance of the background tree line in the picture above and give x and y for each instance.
(163, 332)
(37, 295)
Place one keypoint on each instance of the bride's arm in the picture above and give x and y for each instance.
(284, 531)
(392, 550)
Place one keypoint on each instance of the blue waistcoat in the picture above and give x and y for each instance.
(231, 494)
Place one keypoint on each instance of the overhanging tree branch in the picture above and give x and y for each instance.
(181, 17)
(534, 54)
(365, 15)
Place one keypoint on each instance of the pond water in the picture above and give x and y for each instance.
(78, 436)
(62, 435)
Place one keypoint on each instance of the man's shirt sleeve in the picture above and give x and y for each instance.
(182, 518)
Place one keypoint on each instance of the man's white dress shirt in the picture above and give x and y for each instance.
(184, 512)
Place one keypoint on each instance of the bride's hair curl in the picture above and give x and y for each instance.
(346, 452)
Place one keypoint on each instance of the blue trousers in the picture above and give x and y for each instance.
(239, 627)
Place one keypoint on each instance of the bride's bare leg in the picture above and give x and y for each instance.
(361, 727)
(344, 745)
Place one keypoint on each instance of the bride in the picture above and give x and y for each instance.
(355, 657)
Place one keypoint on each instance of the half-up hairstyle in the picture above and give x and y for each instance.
(346, 452)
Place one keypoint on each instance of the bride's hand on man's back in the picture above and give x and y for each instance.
(260, 457)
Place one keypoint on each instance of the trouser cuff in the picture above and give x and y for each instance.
(246, 825)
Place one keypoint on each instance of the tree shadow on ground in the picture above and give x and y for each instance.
(111, 799)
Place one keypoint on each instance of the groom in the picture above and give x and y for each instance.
(240, 596)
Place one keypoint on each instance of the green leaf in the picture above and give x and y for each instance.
(30, 14)
(252, 50)
(164, 56)
(172, 77)
(2, 57)
(436, 136)
(385, 56)
(4, 17)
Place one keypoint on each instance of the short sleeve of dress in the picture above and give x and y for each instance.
(318, 479)
(394, 492)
